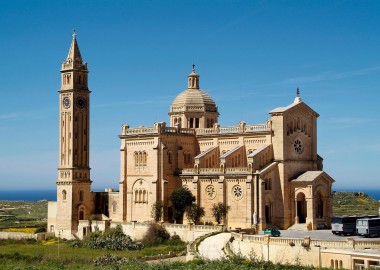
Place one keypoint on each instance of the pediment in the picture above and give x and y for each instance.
(294, 108)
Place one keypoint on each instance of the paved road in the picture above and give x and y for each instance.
(319, 234)
(211, 247)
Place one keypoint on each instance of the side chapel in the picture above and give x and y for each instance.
(269, 174)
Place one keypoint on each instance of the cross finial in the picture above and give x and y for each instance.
(193, 67)
(74, 33)
(298, 91)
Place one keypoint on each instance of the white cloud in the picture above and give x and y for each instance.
(330, 75)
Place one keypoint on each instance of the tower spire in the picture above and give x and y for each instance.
(74, 55)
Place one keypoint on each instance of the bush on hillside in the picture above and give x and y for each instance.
(41, 228)
(155, 235)
(109, 259)
(111, 239)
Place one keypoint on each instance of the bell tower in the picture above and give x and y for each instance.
(74, 198)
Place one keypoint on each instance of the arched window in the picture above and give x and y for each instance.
(140, 159)
(136, 156)
(140, 196)
(144, 158)
(196, 122)
(81, 214)
(81, 195)
(64, 193)
(145, 197)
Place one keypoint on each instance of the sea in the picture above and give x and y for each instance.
(51, 195)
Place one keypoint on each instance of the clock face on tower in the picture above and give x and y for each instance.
(66, 102)
(81, 102)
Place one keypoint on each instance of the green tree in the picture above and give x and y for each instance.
(194, 213)
(219, 211)
(157, 210)
(181, 198)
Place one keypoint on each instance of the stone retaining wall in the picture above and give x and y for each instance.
(187, 233)
(20, 235)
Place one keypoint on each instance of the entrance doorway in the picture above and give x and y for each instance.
(301, 208)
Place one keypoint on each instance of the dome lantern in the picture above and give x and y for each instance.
(193, 108)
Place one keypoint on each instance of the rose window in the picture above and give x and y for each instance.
(210, 192)
(237, 192)
(298, 147)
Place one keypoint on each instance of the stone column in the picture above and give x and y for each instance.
(296, 219)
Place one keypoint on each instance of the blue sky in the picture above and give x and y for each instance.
(251, 56)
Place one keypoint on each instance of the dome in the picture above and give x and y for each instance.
(194, 98)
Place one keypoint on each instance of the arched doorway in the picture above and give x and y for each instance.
(319, 211)
(301, 208)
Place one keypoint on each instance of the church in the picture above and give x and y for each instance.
(269, 174)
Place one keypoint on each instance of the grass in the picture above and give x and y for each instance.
(27, 252)
(19, 261)
(33, 255)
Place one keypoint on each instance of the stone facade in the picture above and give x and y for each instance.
(269, 174)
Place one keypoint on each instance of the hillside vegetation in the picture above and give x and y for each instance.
(354, 203)
(22, 214)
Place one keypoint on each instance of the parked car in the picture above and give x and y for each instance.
(272, 231)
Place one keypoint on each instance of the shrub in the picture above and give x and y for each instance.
(155, 235)
(219, 211)
(174, 240)
(41, 228)
(194, 213)
(112, 239)
(109, 259)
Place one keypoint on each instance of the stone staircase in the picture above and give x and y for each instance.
(298, 227)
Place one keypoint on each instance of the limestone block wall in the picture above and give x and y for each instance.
(239, 197)
(187, 233)
(306, 251)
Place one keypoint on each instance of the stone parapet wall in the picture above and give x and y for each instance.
(305, 251)
(349, 243)
(187, 233)
(20, 235)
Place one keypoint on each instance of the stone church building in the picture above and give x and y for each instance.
(269, 174)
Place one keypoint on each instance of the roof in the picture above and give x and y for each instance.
(195, 97)
(258, 150)
(310, 176)
(206, 152)
(231, 151)
(297, 102)
(74, 53)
